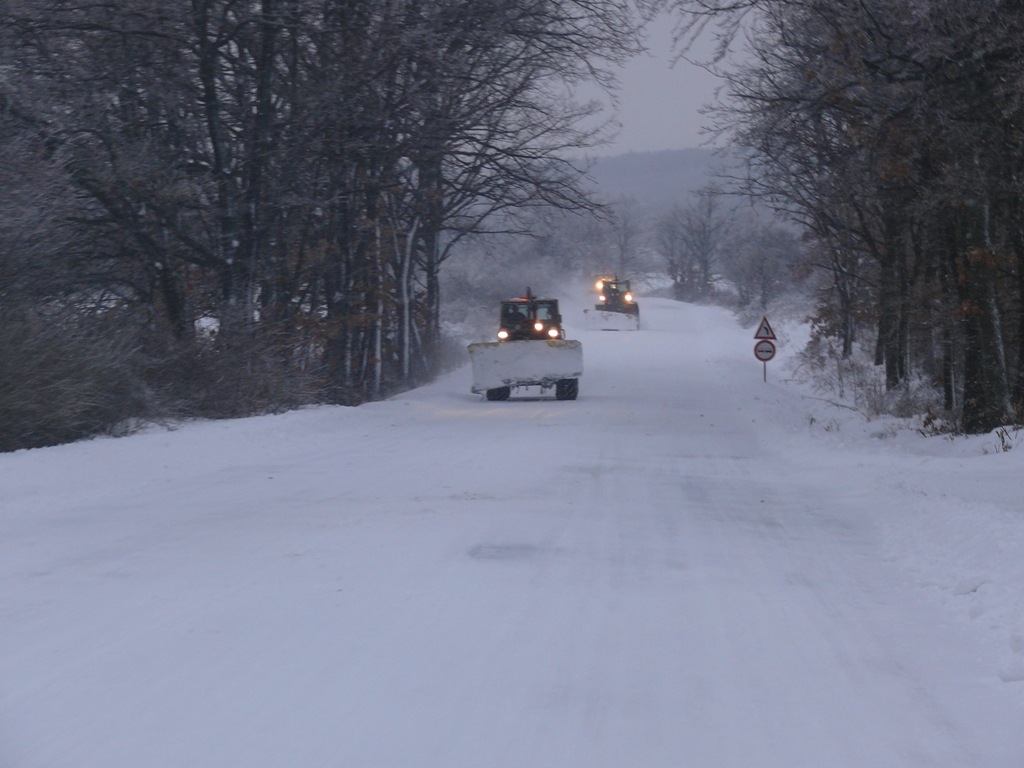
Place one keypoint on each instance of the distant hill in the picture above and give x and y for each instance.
(654, 179)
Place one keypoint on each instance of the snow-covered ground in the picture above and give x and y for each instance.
(678, 569)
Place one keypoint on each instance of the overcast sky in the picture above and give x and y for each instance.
(659, 105)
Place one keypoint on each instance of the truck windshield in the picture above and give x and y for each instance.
(547, 310)
(514, 314)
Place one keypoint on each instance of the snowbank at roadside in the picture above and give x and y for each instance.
(950, 507)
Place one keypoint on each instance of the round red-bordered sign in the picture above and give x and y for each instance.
(764, 350)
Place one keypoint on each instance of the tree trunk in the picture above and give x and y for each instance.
(946, 303)
(1017, 224)
(432, 196)
(227, 205)
(982, 406)
(887, 348)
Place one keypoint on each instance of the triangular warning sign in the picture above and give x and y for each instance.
(764, 331)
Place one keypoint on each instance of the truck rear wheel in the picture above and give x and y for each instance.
(567, 389)
(501, 393)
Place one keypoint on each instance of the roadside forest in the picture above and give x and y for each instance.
(892, 131)
(220, 208)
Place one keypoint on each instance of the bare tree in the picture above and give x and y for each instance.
(701, 230)
(760, 261)
(670, 245)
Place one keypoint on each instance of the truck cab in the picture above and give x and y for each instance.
(529, 318)
(614, 295)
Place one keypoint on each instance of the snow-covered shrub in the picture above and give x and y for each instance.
(856, 379)
(62, 379)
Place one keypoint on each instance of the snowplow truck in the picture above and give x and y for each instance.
(616, 309)
(531, 350)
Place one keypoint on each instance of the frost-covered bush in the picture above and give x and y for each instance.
(62, 380)
(858, 380)
(65, 376)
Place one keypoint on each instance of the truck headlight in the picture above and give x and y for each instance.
(502, 334)
(602, 298)
(553, 333)
(629, 297)
(599, 284)
(538, 326)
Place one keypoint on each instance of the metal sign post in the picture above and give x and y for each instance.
(764, 350)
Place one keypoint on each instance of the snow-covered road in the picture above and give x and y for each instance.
(670, 571)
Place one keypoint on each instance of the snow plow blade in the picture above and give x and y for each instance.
(598, 320)
(524, 363)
